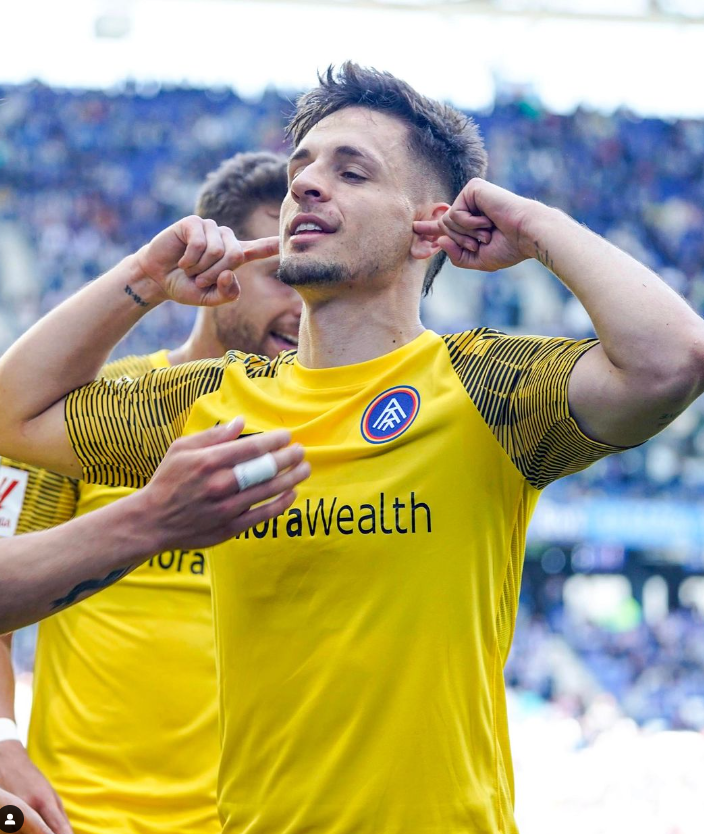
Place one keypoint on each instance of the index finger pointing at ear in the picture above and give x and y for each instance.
(427, 227)
(265, 247)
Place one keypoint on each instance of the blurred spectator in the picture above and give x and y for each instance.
(654, 673)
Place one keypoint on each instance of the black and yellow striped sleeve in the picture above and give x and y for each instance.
(519, 386)
(49, 499)
(131, 366)
(121, 428)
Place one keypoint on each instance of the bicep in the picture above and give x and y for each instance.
(614, 407)
(44, 442)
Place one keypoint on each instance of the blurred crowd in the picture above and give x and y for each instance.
(598, 672)
(87, 177)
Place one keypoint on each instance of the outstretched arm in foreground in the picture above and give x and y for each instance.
(191, 262)
(192, 501)
(649, 365)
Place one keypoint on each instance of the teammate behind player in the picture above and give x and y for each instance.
(361, 635)
(124, 718)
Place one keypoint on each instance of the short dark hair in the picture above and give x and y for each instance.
(447, 141)
(240, 185)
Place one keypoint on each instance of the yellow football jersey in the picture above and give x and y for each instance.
(124, 718)
(361, 635)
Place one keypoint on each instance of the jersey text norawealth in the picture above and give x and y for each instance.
(331, 515)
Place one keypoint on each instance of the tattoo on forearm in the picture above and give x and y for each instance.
(89, 585)
(666, 419)
(543, 257)
(137, 298)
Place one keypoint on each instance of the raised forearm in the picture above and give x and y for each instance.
(644, 327)
(649, 364)
(42, 573)
(191, 261)
(69, 346)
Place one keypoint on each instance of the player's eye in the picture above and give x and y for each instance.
(351, 175)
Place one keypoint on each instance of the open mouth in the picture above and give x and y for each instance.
(308, 228)
(284, 341)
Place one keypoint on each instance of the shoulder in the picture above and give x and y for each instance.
(252, 365)
(486, 343)
(492, 364)
(467, 341)
(259, 366)
(129, 366)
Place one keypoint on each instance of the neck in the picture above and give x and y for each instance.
(345, 331)
(201, 344)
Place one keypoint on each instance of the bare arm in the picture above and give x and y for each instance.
(7, 679)
(193, 500)
(649, 365)
(191, 262)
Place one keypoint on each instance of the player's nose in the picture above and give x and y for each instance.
(310, 185)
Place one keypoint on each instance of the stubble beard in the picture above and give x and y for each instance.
(239, 335)
(299, 272)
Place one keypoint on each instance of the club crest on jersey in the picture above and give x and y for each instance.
(390, 414)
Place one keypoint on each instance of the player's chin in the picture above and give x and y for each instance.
(312, 271)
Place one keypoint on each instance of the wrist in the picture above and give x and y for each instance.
(141, 520)
(538, 222)
(129, 532)
(9, 732)
(138, 285)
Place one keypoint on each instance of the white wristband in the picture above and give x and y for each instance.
(8, 730)
(255, 471)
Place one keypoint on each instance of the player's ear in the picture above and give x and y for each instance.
(425, 246)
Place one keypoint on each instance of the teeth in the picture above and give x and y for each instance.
(292, 339)
(308, 227)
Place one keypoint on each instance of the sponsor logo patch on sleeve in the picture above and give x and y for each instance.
(13, 485)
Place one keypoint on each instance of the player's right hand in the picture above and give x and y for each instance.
(194, 261)
(485, 228)
(194, 500)
(28, 789)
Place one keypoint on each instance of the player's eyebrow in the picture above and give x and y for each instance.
(356, 153)
(340, 150)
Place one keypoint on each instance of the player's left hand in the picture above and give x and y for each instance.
(484, 228)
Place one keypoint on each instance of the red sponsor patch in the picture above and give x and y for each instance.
(13, 485)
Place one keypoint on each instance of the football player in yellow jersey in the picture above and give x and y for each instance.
(361, 635)
(143, 682)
